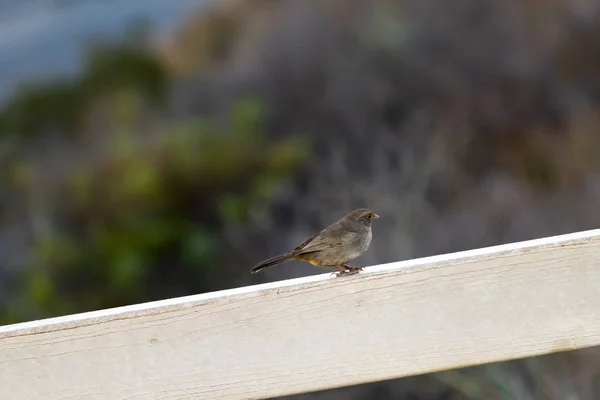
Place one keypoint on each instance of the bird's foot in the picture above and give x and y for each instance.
(338, 270)
(349, 270)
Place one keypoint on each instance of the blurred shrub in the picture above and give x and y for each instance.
(137, 211)
(48, 106)
(209, 37)
(59, 106)
(145, 221)
(125, 66)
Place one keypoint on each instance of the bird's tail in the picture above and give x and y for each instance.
(272, 261)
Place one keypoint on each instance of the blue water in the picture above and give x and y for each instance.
(45, 38)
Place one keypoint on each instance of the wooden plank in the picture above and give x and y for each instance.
(318, 332)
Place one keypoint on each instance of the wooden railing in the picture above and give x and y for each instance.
(300, 335)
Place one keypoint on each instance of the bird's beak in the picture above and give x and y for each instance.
(375, 216)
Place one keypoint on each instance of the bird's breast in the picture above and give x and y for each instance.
(356, 243)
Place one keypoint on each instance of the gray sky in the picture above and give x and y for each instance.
(44, 38)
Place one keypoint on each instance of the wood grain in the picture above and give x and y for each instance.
(319, 332)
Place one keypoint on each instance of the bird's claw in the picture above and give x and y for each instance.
(349, 271)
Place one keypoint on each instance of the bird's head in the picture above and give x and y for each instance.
(363, 216)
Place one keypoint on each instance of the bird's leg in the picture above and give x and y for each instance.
(338, 269)
(350, 270)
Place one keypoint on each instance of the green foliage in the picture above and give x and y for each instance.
(124, 67)
(49, 106)
(61, 105)
(147, 221)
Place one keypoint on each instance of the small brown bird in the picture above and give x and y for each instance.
(333, 247)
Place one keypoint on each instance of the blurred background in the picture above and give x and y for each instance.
(153, 149)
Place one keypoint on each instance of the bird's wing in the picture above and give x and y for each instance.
(307, 241)
(325, 239)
